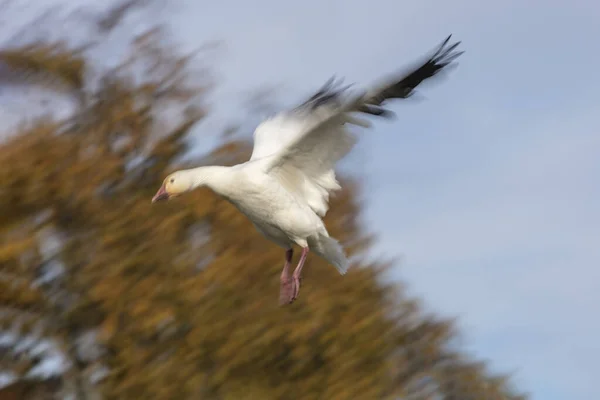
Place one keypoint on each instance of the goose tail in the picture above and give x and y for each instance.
(330, 250)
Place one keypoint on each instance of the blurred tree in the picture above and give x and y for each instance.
(115, 298)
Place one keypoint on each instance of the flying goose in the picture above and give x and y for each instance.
(284, 188)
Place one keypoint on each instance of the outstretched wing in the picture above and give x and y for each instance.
(309, 175)
(301, 146)
(396, 88)
(405, 87)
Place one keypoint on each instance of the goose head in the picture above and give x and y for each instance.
(174, 185)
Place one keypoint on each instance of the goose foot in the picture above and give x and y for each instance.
(290, 286)
(287, 292)
(286, 289)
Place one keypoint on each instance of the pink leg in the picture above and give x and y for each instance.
(297, 276)
(286, 290)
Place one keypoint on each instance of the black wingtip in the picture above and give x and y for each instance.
(444, 43)
(443, 57)
(443, 50)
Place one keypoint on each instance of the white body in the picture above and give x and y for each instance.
(275, 212)
(284, 188)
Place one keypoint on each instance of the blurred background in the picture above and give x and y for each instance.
(472, 219)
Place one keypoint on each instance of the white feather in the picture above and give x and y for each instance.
(301, 150)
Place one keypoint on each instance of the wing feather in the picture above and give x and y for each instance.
(300, 147)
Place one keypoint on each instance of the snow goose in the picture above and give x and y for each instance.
(284, 188)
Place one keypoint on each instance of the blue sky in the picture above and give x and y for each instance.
(487, 186)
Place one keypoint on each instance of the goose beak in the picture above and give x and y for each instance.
(162, 194)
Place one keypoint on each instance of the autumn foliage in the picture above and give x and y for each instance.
(179, 300)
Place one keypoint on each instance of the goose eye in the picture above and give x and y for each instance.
(172, 180)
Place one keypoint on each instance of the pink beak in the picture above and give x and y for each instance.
(161, 194)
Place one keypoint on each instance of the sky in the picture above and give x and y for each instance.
(486, 185)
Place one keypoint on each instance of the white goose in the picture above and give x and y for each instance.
(284, 188)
